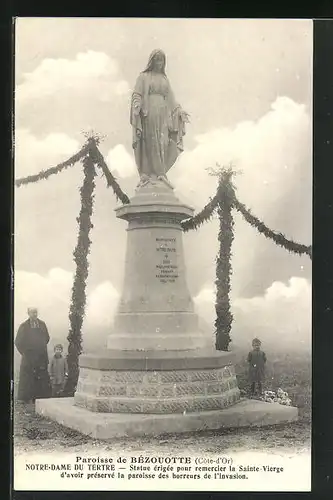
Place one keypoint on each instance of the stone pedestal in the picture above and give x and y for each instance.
(158, 374)
(156, 310)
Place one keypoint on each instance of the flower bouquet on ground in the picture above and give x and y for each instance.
(280, 396)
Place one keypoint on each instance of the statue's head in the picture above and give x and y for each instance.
(157, 61)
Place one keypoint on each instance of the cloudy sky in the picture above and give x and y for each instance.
(247, 85)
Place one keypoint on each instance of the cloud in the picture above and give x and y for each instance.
(266, 152)
(101, 306)
(33, 154)
(281, 317)
(90, 72)
(121, 162)
(51, 294)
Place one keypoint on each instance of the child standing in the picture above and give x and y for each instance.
(257, 360)
(58, 370)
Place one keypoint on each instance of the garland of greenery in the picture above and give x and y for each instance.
(278, 238)
(203, 216)
(44, 174)
(224, 317)
(110, 179)
(81, 252)
(206, 213)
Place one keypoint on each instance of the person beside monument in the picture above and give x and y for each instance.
(58, 371)
(158, 122)
(257, 361)
(31, 342)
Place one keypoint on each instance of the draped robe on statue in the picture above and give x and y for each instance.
(158, 125)
(31, 342)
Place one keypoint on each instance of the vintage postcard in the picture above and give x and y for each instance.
(163, 251)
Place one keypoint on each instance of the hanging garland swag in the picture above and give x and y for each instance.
(45, 174)
(278, 238)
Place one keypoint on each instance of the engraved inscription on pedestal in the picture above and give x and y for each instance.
(167, 269)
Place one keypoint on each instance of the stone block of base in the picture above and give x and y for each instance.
(156, 382)
(105, 426)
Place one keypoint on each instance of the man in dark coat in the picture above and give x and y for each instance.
(31, 342)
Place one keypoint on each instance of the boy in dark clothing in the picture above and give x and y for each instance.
(58, 371)
(257, 360)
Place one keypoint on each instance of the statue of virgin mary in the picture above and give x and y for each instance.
(158, 122)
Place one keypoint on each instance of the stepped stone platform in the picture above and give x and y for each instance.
(106, 426)
(149, 394)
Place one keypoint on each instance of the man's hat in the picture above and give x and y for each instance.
(256, 341)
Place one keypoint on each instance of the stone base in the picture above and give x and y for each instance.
(105, 426)
(156, 382)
